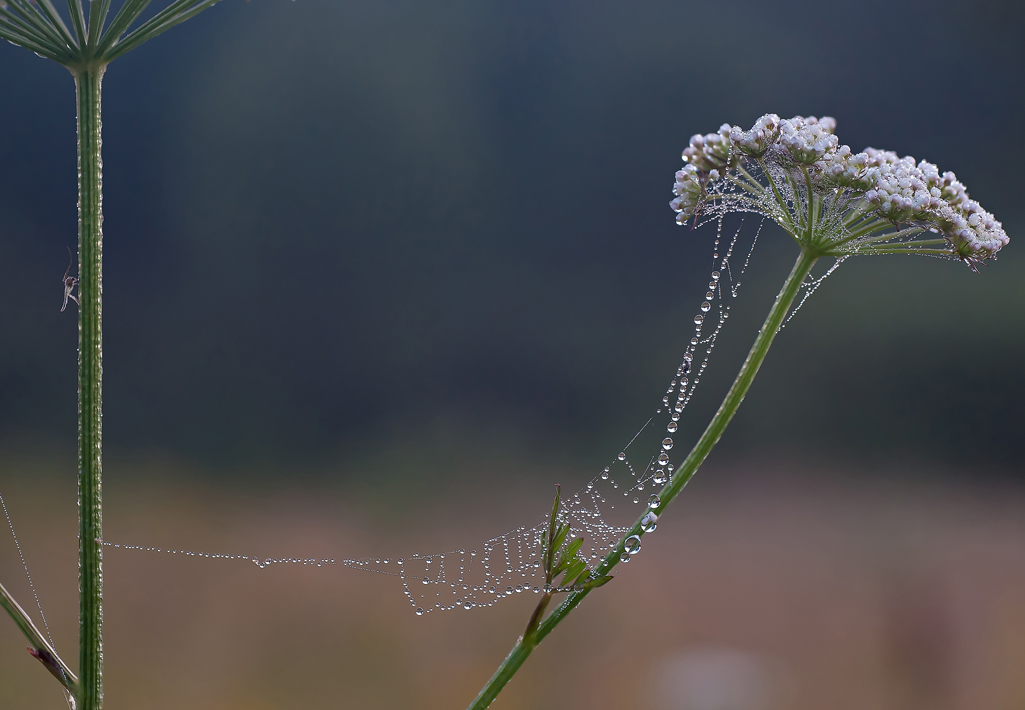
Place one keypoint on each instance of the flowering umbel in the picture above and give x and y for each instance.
(832, 201)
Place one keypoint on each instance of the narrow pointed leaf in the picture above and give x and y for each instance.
(581, 578)
(568, 555)
(549, 547)
(560, 537)
(43, 650)
(595, 583)
(573, 570)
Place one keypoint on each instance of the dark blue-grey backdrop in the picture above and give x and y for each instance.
(332, 225)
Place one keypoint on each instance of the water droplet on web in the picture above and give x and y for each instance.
(672, 426)
(663, 458)
(622, 456)
(605, 474)
(649, 522)
(660, 476)
(654, 501)
(426, 581)
(419, 611)
(709, 296)
(705, 306)
(667, 443)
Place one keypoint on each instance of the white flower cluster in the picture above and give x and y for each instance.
(761, 136)
(808, 140)
(895, 189)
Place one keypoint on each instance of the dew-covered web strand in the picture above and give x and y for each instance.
(24, 566)
(32, 586)
(811, 286)
(601, 511)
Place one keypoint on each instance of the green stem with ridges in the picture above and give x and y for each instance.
(90, 374)
(526, 644)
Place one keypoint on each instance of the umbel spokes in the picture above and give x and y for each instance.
(83, 37)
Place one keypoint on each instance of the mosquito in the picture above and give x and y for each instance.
(69, 283)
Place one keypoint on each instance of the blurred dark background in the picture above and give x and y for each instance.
(337, 225)
(378, 274)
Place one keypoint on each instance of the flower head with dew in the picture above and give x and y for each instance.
(832, 201)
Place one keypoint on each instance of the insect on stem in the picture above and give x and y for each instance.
(69, 282)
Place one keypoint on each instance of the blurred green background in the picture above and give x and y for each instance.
(408, 257)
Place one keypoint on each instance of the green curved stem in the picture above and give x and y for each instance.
(527, 643)
(90, 374)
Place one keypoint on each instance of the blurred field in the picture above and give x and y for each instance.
(765, 588)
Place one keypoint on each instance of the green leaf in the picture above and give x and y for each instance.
(40, 648)
(582, 577)
(560, 537)
(549, 547)
(595, 583)
(573, 571)
(568, 554)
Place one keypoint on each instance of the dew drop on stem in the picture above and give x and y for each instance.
(649, 522)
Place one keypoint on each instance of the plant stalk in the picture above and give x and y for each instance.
(40, 647)
(525, 645)
(90, 373)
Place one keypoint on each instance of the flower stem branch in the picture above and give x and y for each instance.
(527, 643)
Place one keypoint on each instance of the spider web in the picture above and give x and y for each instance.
(600, 511)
